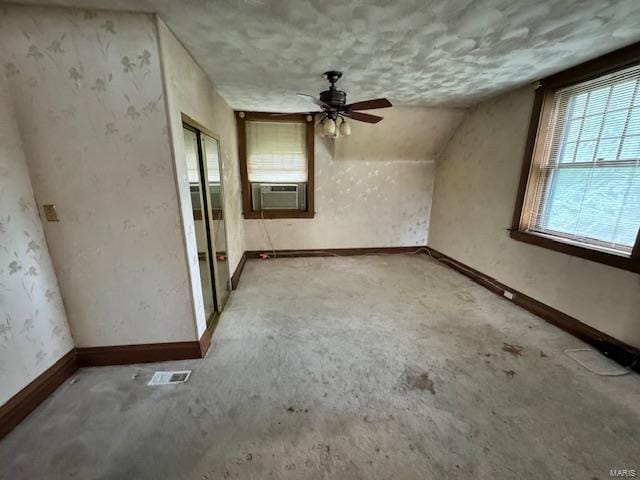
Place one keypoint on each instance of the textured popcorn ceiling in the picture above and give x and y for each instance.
(442, 52)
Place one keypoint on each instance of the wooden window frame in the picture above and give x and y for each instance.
(614, 61)
(247, 205)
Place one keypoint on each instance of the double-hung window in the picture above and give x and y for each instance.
(582, 169)
(276, 164)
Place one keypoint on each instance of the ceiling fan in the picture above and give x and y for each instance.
(334, 106)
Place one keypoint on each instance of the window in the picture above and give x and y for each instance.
(276, 164)
(580, 192)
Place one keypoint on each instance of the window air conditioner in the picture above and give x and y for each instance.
(279, 196)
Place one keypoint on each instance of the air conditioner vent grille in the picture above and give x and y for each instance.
(270, 196)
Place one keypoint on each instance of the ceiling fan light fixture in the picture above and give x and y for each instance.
(329, 127)
(345, 128)
(333, 103)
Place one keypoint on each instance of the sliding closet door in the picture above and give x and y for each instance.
(211, 151)
(198, 203)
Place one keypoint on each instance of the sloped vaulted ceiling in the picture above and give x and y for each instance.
(415, 52)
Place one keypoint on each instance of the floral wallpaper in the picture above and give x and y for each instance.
(34, 332)
(190, 91)
(373, 188)
(88, 96)
(475, 190)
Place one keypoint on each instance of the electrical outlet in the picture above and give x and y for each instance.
(508, 294)
(50, 213)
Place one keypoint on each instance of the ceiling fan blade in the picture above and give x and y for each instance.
(370, 104)
(315, 100)
(363, 117)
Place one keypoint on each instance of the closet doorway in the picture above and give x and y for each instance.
(204, 172)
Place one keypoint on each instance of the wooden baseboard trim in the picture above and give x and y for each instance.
(205, 339)
(27, 399)
(620, 352)
(333, 252)
(235, 278)
(144, 353)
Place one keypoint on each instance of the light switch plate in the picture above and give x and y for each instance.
(50, 213)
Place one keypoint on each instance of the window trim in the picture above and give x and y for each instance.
(247, 207)
(614, 61)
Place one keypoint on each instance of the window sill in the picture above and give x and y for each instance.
(611, 259)
(276, 214)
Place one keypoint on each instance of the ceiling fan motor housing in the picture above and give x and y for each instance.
(334, 103)
(334, 97)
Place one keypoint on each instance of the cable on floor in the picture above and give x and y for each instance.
(597, 363)
(264, 226)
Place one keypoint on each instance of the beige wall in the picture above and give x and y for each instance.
(475, 191)
(373, 190)
(190, 91)
(89, 101)
(33, 325)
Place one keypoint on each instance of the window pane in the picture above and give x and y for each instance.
(591, 127)
(630, 148)
(573, 130)
(585, 151)
(633, 126)
(630, 214)
(597, 101)
(563, 202)
(608, 149)
(598, 203)
(614, 123)
(578, 104)
(568, 151)
(621, 95)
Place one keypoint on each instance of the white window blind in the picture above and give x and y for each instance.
(587, 187)
(276, 152)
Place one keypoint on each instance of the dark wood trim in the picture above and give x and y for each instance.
(205, 339)
(27, 399)
(485, 280)
(540, 117)
(616, 60)
(334, 252)
(235, 278)
(311, 166)
(635, 253)
(626, 263)
(144, 353)
(622, 353)
(247, 207)
(195, 125)
(245, 188)
(273, 117)
(528, 157)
